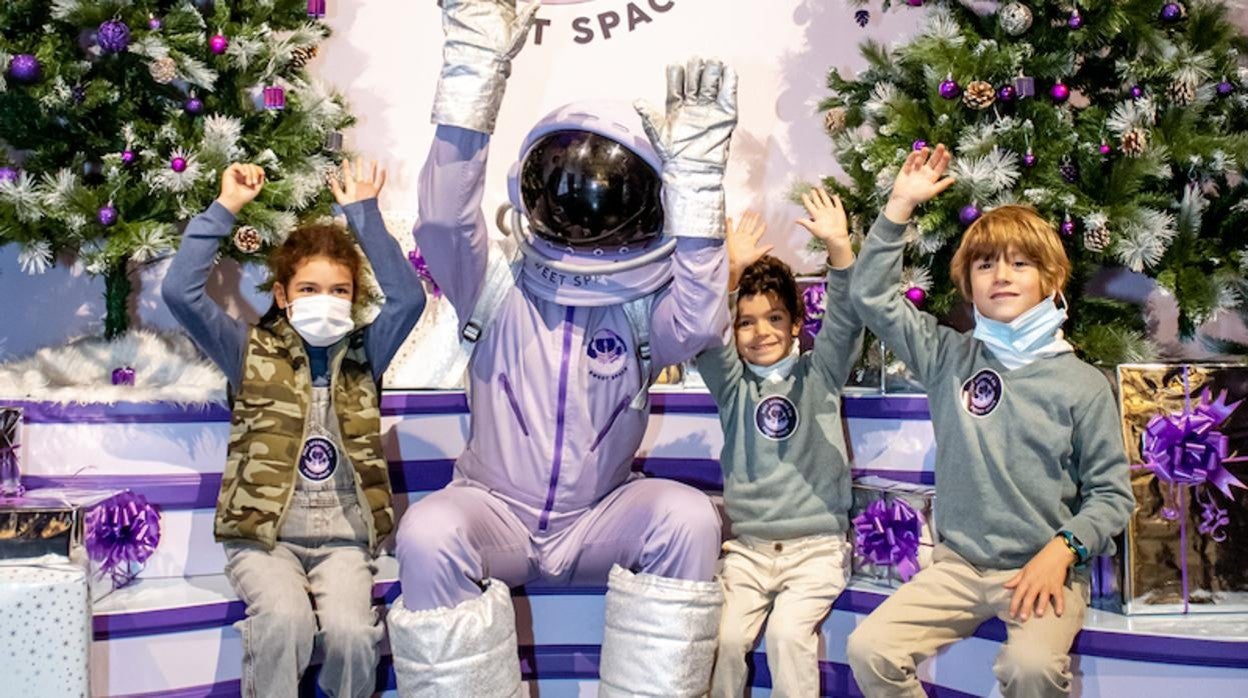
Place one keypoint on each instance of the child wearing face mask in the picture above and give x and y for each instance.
(305, 498)
(1031, 476)
(786, 472)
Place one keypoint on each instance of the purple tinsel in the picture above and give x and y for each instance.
(122, 533)
(887, 533)
(422, 270)
(815, 303)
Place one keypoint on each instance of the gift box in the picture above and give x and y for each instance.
(45, 620)
(107, 534)
(1186, 434)
(893, 530)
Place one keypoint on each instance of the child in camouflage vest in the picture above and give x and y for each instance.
(305, 497)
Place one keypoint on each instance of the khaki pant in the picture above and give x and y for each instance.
(945, 603)
(790, 584)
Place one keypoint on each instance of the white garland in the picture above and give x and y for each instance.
(221, 136)
(986, 175)
(35, 257)
(1145, 238)
(164, 179)
(152, 241)
(1192, 208)
(195, 72)
(23, 196)
(4, 68)
(942, 26)
(1132, 114)
(59, 189)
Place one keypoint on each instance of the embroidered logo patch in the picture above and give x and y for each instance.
(608, 355)
(982, 393)
(319, 459)
(776, 418)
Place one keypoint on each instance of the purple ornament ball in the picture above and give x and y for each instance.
(1029, 160)
(218, 44)
(1075, 21)
(969, 214)
(194, 106)
(8, 174)
(113, 36)
(1225, 88)
(1059, 92)
(1067, 228)
(949, 89)
(123, 376)
(919, 144)
(1104, 149)
(1137, 91)
(128, 157)
(178, 164)
(25, 68)
(154, 23)
(1006, 93)
(107, 215)
(916, 295)
(1171, 12)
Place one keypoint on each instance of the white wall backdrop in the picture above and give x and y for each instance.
(384, 56)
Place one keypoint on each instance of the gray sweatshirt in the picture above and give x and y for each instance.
(786, 474)
(1020, 454)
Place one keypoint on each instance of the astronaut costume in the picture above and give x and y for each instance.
(625, 273)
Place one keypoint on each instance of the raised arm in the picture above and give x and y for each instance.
(221, 337)
(357, 192)
(692, 137)
(482, 37)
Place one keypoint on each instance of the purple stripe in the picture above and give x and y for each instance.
(610, 421)
(703, 473)
(402, 404)
(663, 402)
(901, 407)
(559, 419)
(918, 477)
(515, 406)
(119, 413)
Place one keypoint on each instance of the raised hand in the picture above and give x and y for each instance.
(921, 178)
(701, 113)
(240, 185)
(482, 37)
(828, 223)
(742, 245)
(358, 185)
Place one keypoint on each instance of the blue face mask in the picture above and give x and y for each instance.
(1026, 334)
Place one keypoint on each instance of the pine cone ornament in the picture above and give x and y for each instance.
(247, 240)
(1181, 92)
(163, 70)
(1015, 18)
(1096, 239)
(834, 120)
(979, 95)
(301, 56)
(1069, 171)
(1134, 142)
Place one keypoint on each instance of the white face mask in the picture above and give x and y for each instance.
(321, 319)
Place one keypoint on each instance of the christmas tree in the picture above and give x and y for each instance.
(117, 117)
(1125, 122)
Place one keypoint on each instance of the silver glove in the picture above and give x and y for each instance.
(482, 36)
(692, 139)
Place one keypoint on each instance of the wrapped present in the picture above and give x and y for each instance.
(10, 451)
(893, 531)
(1187, 439)
(45, 620)
(109, 534)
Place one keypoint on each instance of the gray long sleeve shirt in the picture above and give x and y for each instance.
(1020, 454)
(786, 473)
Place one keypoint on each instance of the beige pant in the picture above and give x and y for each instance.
(790, 584)
(945, 603)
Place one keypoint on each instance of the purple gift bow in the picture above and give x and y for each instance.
(1185, 450)
(422, 270)
(815, 304)
(122, 533)
(887, 533)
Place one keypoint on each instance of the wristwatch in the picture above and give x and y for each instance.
(1074, 545)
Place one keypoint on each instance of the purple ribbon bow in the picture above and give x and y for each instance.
(1185, 448)
(122, 533)
(422, 269)
(887, 533)
(815, 302)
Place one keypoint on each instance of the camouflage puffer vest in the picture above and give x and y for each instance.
(267, 430)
